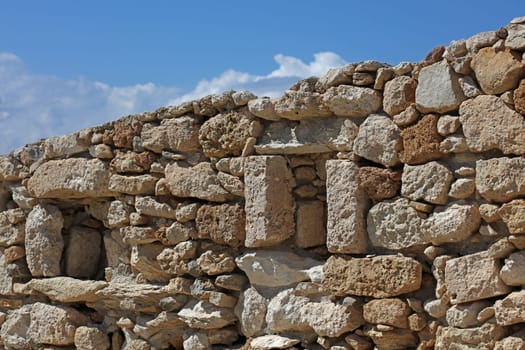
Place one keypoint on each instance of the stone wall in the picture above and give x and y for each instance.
(374, 207)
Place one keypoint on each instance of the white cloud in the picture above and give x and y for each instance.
(34, 106)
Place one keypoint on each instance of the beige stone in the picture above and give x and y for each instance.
(379, 140)
(352, 101)
(263, 108)
(500, 179)
(512, 273)
(447, 125)
(267, 342)
(146, 205)
(465, 315)
(88, 338)
(12, 231)
(251, 312)
(141, 184)
(269, 206)
(138, 235)
(64, 289)
(483, 337)
(177, 134)
(199, 181)
(232, 184)
(224, 224)
(70, 178)
(346, 206)
(215, 263)
(310, 217)
(379, 183)
(131, 162)
(473, 277)
(514, 342)
(430, 182)
(510, 310)
(488, 123)
(203, 315)
(399, 93)
(397, 339)
(497, 71)
(462, 188)
(512, 214)
(378, 277)
(389, 311)
(143, 260)
(297, 105)
(452, 223)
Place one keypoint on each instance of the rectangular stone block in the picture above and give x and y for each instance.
(310, 224)
(347, 205)
(473, 277)
(269, 206)
(511, 310)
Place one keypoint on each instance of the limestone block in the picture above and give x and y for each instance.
(263, 108)
(88, 338)
(488, 123)
(199, 181)
(143, 260)
(224, 224)
(483, 337)
(269, 205)
(421, 141)
(462, 188)
(447, 125)
(497, 71)
(141, 184)
(251, 312)
(70, 178)
(118, 214)
(310, 219)
(176, 134)
(14, 330)
(395, 224)
(465, 315)
(430, 182)
(226, 134)
(131, 162)
(203, 315)
(515, 342)
(473, 277)
(379, 140)
(146, 205)
(231, 183)
(336, 76)
(377, 277)
(267, 342)
(352, 101)
(66, 145)
(43, 241)
(64, 289)
(379, 183)
(82, 253)
(277, 268)
(399, 93)
(510, 309)
(138, 235)
(500, 179)
(512, 273)
(308, 136)
(241, 98)
(297, 105)
(396, 339)
(12, 227)
(513, 215)
(518, 98)
(215, 263)
(452, 223)
(438, 89)
(390, 311)
(346, 205)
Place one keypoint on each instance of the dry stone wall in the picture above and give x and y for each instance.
(376, 207)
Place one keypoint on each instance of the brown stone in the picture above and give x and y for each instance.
(310, 218)
(421, 141)
(513, 215)
(519, 98)
(176, 134)
(141, 184)
(378, 277)
(510, 310)
(14, 253)
(390, 311)
(399, 93)
(124, 131)
(379, 183)
(131, 162)
(224, 224)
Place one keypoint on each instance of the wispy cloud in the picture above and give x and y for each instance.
(33, 106)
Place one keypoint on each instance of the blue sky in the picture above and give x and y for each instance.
(65, 65)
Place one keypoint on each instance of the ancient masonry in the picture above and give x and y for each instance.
(376, 207)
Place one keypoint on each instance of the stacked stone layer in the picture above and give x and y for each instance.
(376, 207)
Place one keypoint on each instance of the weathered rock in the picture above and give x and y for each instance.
(143, 260)
(421, 141)
(346, 205)
(407, 117)
(378, 277)
(199, 181)
(395, 224)
(397, 339)
(149, 206)
(14, 253)
(215, 263)
(483, 337)
(390, 311)
(70, 178)
(515, 342)
(141, 184)
(438, 89)
(310, 221)
(379, 184)
(379, 140)
(465, 315)
(226, 134)
(174, 260)
(308, 136)
(512, 272)
(352, 101)
(297, 105)
(399, 93)
(336, 76)
(267, 342)
(488, 123)
(66, 145)
(268, 268)
(55, 325)
(88, 338)
(500, 179)
(14, 330)
(12, 227)
(118, 214)
(269, 205)
(82, 252)
(519, 98)
(510, 310)
(10, 169)
(497, 71)
(462, 188)
(263, 108)
(512, 214)
(64, 289)
(231, 183)
(430, 182)
(131, 162)
(473, 277)
(447, 125)
(224, 224)
(453, 223)
(138, 235)
(178, 232)
(177, 134)
(251, 312)
(43, 241)
(203, 315)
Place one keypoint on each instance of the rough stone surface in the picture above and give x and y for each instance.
(452, 223)
(379, 140)
(352, 101)
(297, 105)
(379, 184)
(347, 204)
(429, 182)
(500, 179)
(438, 89)
(269, 203)
(488, 123)
(510, 310)
(44, 242)
(465, 315)
(70, 178)
(133, 185)
(473, 277)
(497, 71)
(251, 312)
(88, 338)
(421, 141)
(483, 337)
(513, 215)
(389, 311)
(224, 224)
(378, 277)
(399, 93)
(203, 315)
(178, 134)
(512, 272)
(519, 98)
(267, 342)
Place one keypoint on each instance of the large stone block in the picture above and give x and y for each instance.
(430, 182)
(269, 206)
(176, 134)
(500, 179)
(377, 277)
(483, 337)
(352, 101)
(473, 277)
(347, 204)
(311, 230)
(224, 224)
(510, 310)
(70, 178)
